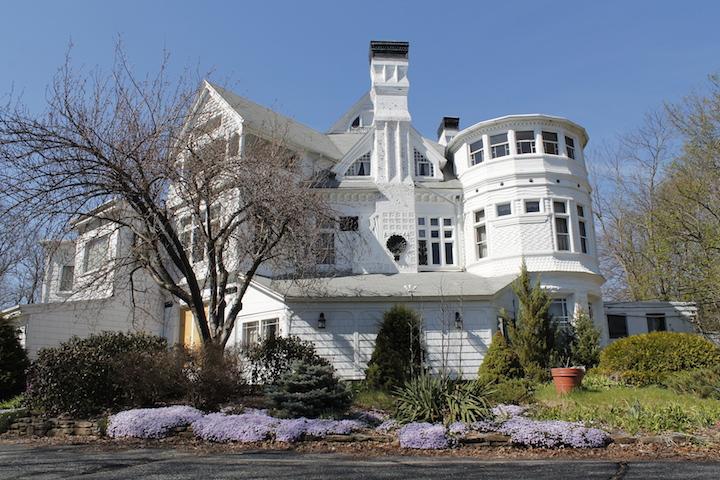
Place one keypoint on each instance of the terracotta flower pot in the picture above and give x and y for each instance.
(566, 379)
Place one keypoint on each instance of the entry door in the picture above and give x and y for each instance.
(189, 334)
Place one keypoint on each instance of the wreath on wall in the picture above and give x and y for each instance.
(396, 244)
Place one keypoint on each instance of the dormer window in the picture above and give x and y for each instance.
(423, 166)
(356, 122)
(360, 167)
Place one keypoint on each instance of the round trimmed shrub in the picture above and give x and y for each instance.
(83, 376)
(13, 361)
(647, 359)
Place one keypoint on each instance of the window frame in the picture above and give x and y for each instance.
(364, 159)
(477, 154)
(529, 200)
(63, 286)
(436, 238)
(546, 141)
(612, 332)
(655, 317)
(86, 254)
(494, 147)
(497, 209)
(563, 319)
(570, 147)
(521, 143)
(563, 216)
(481, 240)
(582, 230)
(422, 160)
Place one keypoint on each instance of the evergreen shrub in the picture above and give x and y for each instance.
(275, 355)
(13, 361)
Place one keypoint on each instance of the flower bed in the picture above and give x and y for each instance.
(150, 422)
(423, 436)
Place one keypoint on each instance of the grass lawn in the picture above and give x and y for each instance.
(374, 400)
(648, 409)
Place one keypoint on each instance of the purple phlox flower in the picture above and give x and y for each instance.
(484, 426)
(151, 422)
(505, 412)
(552, 433)
(372, 417)
(426, 436)
(458, 429)
(386, 426)
(250, 426)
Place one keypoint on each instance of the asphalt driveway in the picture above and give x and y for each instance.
(55, 462)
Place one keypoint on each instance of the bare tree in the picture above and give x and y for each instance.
(200, 208)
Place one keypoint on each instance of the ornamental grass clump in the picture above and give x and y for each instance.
(151, 422)
(423, 436)
(251, 426)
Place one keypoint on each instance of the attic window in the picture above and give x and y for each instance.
(423, 166)
(356, 123)
(360, 167)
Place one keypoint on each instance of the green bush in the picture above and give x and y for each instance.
(516, 391)
(13, 361)
(500, 363)
(647, 359)
(585, 345)
(84, 376)
(703, 383)
(308, 390)
(398, 351)
(435, 399)
(274, 356)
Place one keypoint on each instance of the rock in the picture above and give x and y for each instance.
(623, 439)
(654, 439)
(490, 438)
(84, 432)
(84, 424)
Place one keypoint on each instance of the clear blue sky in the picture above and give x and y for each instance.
(599, 63)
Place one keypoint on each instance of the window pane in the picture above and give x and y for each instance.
(326, 251)
(561, 225)
(582, 229)
(447, 222)
(581, 211)
(421, 233)
(525, 135)
(532, 206)
(421, 220)
(498, 139)
(656, 322)
(475, 146)
(447, 234)
(67, 275)
(349, 224)
(503, 209)
(449, 253)
(558, 310)
(481, 234)
(96, 251)
(436, 254)
(434, 222)
(435, 234)
(479, 216)
(422, 252)
(617, 326)
(559, 207)
(550, 136)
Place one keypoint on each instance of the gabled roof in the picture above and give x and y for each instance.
(449, 285)
(261, 119)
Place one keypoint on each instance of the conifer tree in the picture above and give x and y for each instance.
(585, 348)
(532, 335)
(500, 363)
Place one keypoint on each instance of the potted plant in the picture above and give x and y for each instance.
(567, 378)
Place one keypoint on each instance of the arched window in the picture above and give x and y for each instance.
(356, 123)
(360, 167)
(423, 166)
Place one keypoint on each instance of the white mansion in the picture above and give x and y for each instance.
(439, 224)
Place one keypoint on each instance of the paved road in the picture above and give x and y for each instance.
(21, 462)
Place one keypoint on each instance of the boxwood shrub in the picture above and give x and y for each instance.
(83, 376)
(647, 359)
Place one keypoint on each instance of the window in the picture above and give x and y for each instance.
(525, 141)
(570, 147)
(481, 234)
(550, 143)
(532, 206)
(326, 248)
(562, 233)
(255, 332)
(191, 233)
(348, 224)
(582, 229)
(656, 322)
(499, 146)
(210, 125)
(355, 123)
(503, 209)
(67, 278)
(360, 167)
(440, 241)
(617, 326)
(477, 153)
(96, 251)
(423, 166)
(559, 311)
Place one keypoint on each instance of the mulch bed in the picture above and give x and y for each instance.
(634, 452)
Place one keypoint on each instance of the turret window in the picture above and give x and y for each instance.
(360, 167)
(503, 209)
(550, 143)
(562, 231)
(477, 152)
(499, 146)
(525, 141)
(570, 147)
(582, 229)
(532, 206)
(481, 242)
(423, 166)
